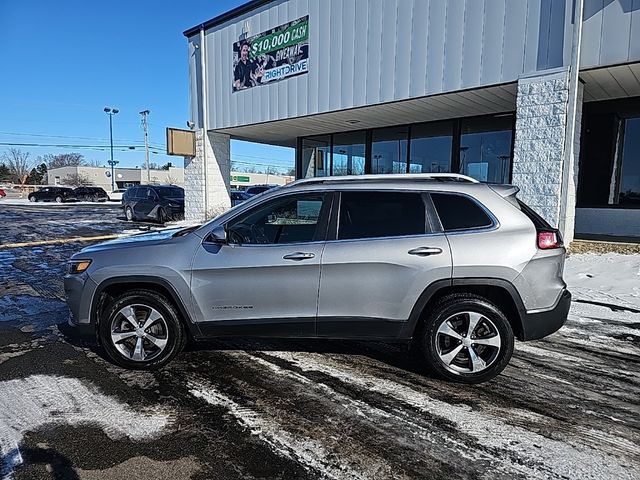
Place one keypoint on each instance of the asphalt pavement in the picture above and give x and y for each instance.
(566, 407)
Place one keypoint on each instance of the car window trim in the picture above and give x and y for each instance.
(495, 224)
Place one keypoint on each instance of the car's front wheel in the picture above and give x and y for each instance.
(59, 199)
(129, 214)
(141, 330)
(33, 199)
(466, 338)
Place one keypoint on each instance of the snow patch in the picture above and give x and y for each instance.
(33, 402)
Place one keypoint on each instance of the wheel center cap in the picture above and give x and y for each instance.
(140, 333)
(466, 341)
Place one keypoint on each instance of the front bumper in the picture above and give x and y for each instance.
(539, 325)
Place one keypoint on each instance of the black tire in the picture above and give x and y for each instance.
(433, 347)
(173, 330)
(129, 214)
(59, 199)
(33, 199)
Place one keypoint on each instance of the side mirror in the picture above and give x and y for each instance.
(219, 235)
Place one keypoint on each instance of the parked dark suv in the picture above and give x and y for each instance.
(153, 202)
(91, 194)
(52, 194)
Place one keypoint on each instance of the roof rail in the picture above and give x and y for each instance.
(441, 177)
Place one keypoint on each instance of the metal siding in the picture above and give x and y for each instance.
(544, 33)
(515, 27)
(494, 33)
(335, 57)
(405, 48)
(374, 48)
(348, 53)
(360, 56)
(556, 41)
(324, 53)
(388, 54)
(436, 45)
(453, 45)
(314, 58)
(634, 34)
(616, 30)
(472, 42)
(419, 42)
(531, 36)
(591, 32)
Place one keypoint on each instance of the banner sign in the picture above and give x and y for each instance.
(276, 54)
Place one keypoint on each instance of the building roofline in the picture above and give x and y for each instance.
(231, 14)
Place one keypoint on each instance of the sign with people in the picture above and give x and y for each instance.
(276, 54)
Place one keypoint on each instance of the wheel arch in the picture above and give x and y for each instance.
(112, 287)
(498, 291)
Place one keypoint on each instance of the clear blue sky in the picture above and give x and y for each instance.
(62, 62)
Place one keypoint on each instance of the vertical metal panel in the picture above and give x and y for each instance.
(303, 86)
(544, 32)
(436, 45)
(453, 45)
(388, 54)
(374, 47)
(347, 54)
(419, 42)
(324, 53)
(360, 66)
(591, 32)
(634, 35)
(405, 53)
(314, 57)
(472, 28)
(335, 47)
(515, 26)
(494, 33)
(556, 40)
(616, 30)
(531, 36)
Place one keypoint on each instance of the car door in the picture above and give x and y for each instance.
(264, 280)
(143, 203)
(386, 249)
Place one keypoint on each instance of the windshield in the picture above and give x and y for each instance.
(170, 192)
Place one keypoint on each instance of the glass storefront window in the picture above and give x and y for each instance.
(389, 150)
(485, 148)
(316, 156)
(629, 186)
(349, 153)
(431, 145)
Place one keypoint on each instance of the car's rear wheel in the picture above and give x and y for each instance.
(59, 199)
(141, 330)
(466, 338)
(129, 214)
(93, 199)
(33, 199)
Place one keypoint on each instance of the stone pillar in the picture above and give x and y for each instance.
(207, 193)
(540, 164)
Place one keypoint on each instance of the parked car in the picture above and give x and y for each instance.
(90, 194)
(238, 196)
(116, 195)
(2, 193)
(153, 202)
(258, 189)
(455, 267)
(52, 194)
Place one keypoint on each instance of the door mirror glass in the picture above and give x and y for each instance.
(219, 235)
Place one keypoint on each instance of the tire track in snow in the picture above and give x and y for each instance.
(39, 400)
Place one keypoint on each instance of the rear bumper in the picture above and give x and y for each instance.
(539, 325)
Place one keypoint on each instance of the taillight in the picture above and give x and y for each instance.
(548, 239)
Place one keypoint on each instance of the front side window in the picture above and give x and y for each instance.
(293, 219)
(381, 214)
(458, 212)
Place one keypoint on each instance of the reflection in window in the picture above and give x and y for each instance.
(389, 150)
(485, 148)
(431, 147)
(316, 158)
(348, 153)
(629, 189)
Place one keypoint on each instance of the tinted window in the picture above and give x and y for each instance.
(381, 214)
(132, 192)
(457, 212)
(141, 192)
(293, 219)
(170, 192)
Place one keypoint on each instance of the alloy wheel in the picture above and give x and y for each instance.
(468, 342)
(139, 332)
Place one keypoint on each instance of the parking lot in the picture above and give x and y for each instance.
(567, 406)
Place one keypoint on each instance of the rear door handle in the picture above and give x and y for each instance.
(297, 256)
(425, 251)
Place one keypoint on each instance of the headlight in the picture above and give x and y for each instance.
(78, 266)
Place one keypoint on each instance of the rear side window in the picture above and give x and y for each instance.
(458, 212)
(381, 214)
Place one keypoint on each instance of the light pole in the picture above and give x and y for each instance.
(111, 112)
(145, 125)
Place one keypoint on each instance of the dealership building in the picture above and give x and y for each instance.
(544, 94)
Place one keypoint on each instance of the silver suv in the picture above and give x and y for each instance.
(456, 267)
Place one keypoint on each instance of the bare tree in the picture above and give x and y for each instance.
(64, 160)
(94, 163)
(76, 180)
(18, 164)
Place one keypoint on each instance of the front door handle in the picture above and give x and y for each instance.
(425, 251)
(297, 256)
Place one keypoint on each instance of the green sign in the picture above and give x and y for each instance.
(240, 178)
(292, 35)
